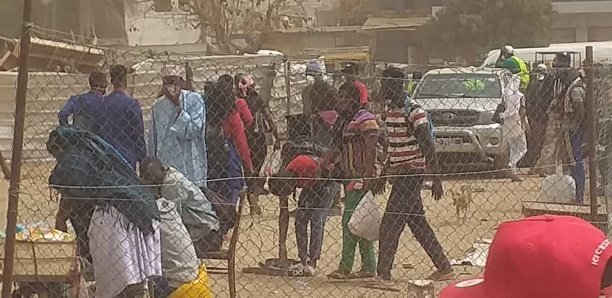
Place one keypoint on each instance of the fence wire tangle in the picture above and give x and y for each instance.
(135, 175)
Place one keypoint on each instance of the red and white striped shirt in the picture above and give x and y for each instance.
(404, 150)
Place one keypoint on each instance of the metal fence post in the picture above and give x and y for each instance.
(592, 136)
(20, 107)
(288, 85)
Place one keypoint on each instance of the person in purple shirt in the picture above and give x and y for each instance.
(84, 107)
(121, 123)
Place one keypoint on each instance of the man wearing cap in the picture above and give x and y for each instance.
(351, 71)
(176, 134)
(514, 64)
(542, 257)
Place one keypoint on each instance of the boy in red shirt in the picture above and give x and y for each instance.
(315, 199)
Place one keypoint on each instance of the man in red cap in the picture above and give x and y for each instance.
(541, 257)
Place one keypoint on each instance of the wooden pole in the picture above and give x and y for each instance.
(591, 133)
(20, 108)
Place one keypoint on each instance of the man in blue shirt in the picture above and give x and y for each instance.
(120, 121)
(84, 107)
(178, 123)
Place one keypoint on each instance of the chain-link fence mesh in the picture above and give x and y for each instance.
(504, 149)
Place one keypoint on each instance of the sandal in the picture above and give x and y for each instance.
(339, 275)
(364, 274)
(442, 275)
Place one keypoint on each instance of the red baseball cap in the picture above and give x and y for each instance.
(539, 257)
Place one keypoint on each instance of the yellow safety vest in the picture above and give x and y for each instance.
(411, 86)
(523, 72)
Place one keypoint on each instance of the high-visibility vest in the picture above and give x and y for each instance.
(523, 72)
(411, 86)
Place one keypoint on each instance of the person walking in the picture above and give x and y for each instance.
(356, 145)
(411, 152)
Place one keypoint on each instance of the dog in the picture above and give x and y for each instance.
(462, 200)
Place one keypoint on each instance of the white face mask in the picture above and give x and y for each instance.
(173, 90)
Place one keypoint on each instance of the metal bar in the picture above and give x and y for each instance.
(592, 136)
(288, 85)
(20, 108)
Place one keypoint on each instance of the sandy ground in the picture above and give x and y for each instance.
(498, 201)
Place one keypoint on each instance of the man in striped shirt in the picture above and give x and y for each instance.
(411, 151)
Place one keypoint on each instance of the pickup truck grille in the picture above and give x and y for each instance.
(459, 118)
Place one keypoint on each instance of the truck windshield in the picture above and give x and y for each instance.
(466, 85)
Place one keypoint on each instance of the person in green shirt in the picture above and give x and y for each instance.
(514, 64)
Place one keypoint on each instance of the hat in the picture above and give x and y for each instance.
(173, 71)
(540, 256)
(541, 70)
(508, 49)
(313, 67)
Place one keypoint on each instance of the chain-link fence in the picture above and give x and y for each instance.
(158, 153)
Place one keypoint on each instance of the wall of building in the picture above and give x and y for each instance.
(582, 27)
(145, 26)
(293, 43)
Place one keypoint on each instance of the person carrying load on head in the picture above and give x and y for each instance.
(508, 60)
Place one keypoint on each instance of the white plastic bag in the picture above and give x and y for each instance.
(365, 221)
(558, 188)
(272, 164)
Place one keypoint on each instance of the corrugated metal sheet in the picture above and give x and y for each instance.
(394, 23)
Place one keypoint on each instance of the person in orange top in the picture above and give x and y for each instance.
(314, 202)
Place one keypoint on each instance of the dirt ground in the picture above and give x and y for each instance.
(495, 201)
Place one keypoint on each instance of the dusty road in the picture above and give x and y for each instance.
(496, 201)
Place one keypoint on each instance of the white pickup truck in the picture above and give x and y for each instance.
(462, 102)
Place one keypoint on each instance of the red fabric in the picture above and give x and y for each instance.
(363, 91)
(541, 256)
(245, 113)
(234, 131)
(304, 166)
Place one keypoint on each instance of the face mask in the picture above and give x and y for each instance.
(310, 79)
(173, 90)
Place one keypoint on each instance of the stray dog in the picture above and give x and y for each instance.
(462, 200)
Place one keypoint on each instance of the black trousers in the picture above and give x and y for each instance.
(405, 207)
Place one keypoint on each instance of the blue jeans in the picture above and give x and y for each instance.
(576, 167)
(313, 206)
